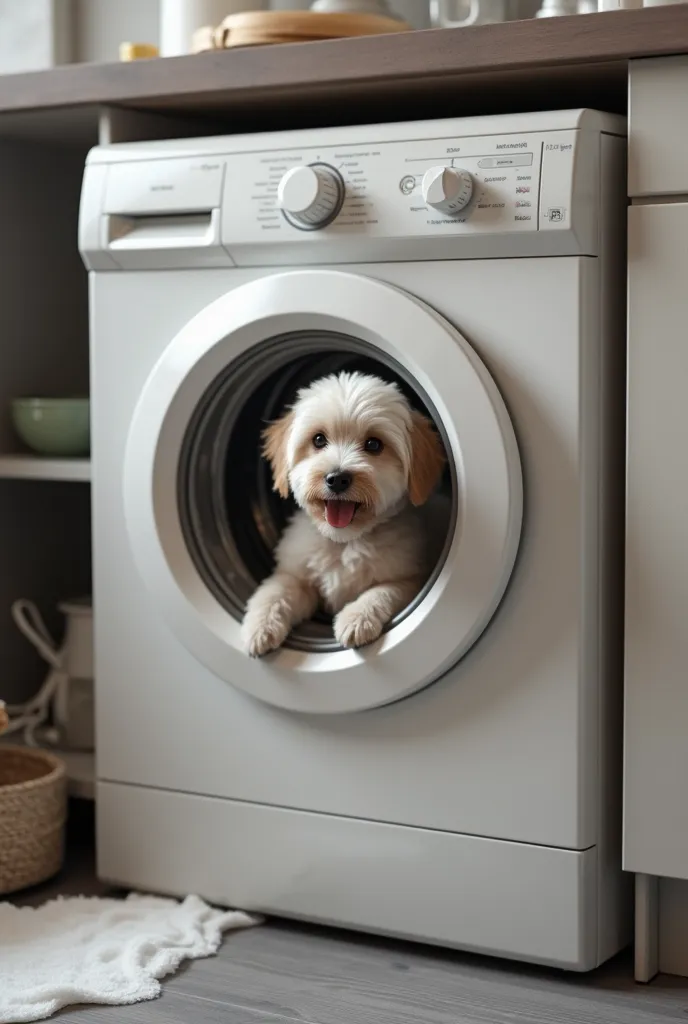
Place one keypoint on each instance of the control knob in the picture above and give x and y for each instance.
(447, 189)
(310, 196)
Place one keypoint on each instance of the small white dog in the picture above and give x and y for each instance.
(357, 459)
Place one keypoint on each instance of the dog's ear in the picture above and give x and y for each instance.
(427, 459)
(275, 451)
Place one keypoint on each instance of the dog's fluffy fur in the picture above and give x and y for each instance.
(366, 568)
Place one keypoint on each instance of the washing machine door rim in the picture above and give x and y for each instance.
(477, 428)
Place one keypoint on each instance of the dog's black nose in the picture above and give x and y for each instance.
(338, 482)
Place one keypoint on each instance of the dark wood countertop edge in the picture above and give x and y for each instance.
(233, 78)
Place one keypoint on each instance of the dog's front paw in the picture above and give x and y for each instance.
(260, 636)
(356, 626)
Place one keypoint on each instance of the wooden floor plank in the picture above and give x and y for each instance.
(332, 978)
(170, 1008)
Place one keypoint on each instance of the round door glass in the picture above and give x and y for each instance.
(231, 516)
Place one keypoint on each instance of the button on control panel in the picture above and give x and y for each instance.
(447, 189)
(310, 195)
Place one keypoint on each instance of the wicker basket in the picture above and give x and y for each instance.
(33, 807)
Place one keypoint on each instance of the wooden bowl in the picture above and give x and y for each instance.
(262, 28)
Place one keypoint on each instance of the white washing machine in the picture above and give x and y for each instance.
(458, 781)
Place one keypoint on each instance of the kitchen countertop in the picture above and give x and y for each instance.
(533, 64)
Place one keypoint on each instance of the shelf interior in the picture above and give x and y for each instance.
(37, 467)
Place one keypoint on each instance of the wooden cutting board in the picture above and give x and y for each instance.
(261, 28)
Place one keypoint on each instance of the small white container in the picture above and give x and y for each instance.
(448, 14)
(74, 706)
(179, 19)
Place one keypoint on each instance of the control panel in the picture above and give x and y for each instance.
(421, 190)
(411, 188)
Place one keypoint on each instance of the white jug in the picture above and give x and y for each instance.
(68, 687)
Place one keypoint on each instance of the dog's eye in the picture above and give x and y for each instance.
(319, 441)
(373, 445)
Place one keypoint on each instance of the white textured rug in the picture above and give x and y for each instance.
(89, 950)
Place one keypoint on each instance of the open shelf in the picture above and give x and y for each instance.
(81, 772)
(79, 764)
(37, 467)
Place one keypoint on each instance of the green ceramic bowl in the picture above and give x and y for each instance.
(53, 426)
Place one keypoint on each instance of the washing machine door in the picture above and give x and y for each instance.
(253, 322)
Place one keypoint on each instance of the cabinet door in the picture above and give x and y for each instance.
(657, 135)
(656, 728)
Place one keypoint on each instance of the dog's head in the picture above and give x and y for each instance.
(352, 450)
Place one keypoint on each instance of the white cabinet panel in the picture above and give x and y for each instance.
(658, 127)
(656, 729)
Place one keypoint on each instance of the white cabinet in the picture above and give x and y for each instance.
(656, 710)
(658, 137)
(656, 731)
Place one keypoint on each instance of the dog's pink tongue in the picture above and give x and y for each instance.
(339, 513)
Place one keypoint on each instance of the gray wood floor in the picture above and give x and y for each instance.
(283, 972)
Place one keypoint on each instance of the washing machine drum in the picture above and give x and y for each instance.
(203, 518)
